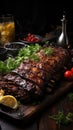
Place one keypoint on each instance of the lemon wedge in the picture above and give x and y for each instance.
(9, 101)
(1, 92)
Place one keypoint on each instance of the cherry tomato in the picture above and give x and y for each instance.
(32, 39)
(68, 74)
(32, 36)
(29, 34)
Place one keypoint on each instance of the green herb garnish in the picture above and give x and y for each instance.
(24, 53)
(29, 52)
(61, 118)
(70, 96)
(48, 50)
(3, 67)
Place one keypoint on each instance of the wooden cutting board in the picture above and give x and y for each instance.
(28, 112)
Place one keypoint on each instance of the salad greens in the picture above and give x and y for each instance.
(28, 52)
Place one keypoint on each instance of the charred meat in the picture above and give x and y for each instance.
(33, 78)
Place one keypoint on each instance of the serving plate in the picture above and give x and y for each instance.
(27, 112)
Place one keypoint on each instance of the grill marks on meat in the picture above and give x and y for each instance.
(46, 69)
(34, 74)
(21, 88)
(32, 78)
(12, 89)
(16, 79)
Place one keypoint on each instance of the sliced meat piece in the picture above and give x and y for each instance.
(30, 76)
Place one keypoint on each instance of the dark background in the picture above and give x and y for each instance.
(37, 16)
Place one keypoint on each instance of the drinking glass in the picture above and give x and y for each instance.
(7, 29)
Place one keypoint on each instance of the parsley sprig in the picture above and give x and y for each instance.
(48, 50)
(61, 118)
(70, 96)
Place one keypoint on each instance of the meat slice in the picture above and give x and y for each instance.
(33, 77)
(26, 84)
(16, 79)
(23, 90)
(15, 90)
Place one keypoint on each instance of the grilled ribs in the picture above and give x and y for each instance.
(34, 78)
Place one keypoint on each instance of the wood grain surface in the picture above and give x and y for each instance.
(39, 114)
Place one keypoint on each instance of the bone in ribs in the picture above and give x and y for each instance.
(33, 78)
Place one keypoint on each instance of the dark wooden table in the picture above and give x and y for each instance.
(42, 121)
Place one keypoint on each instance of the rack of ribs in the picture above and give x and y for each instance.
(34, 78)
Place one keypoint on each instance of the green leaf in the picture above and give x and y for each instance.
(70, 96)
(61, 118)
(48, 50)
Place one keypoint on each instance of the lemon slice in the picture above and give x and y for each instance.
(1, 92)
(9, 101)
